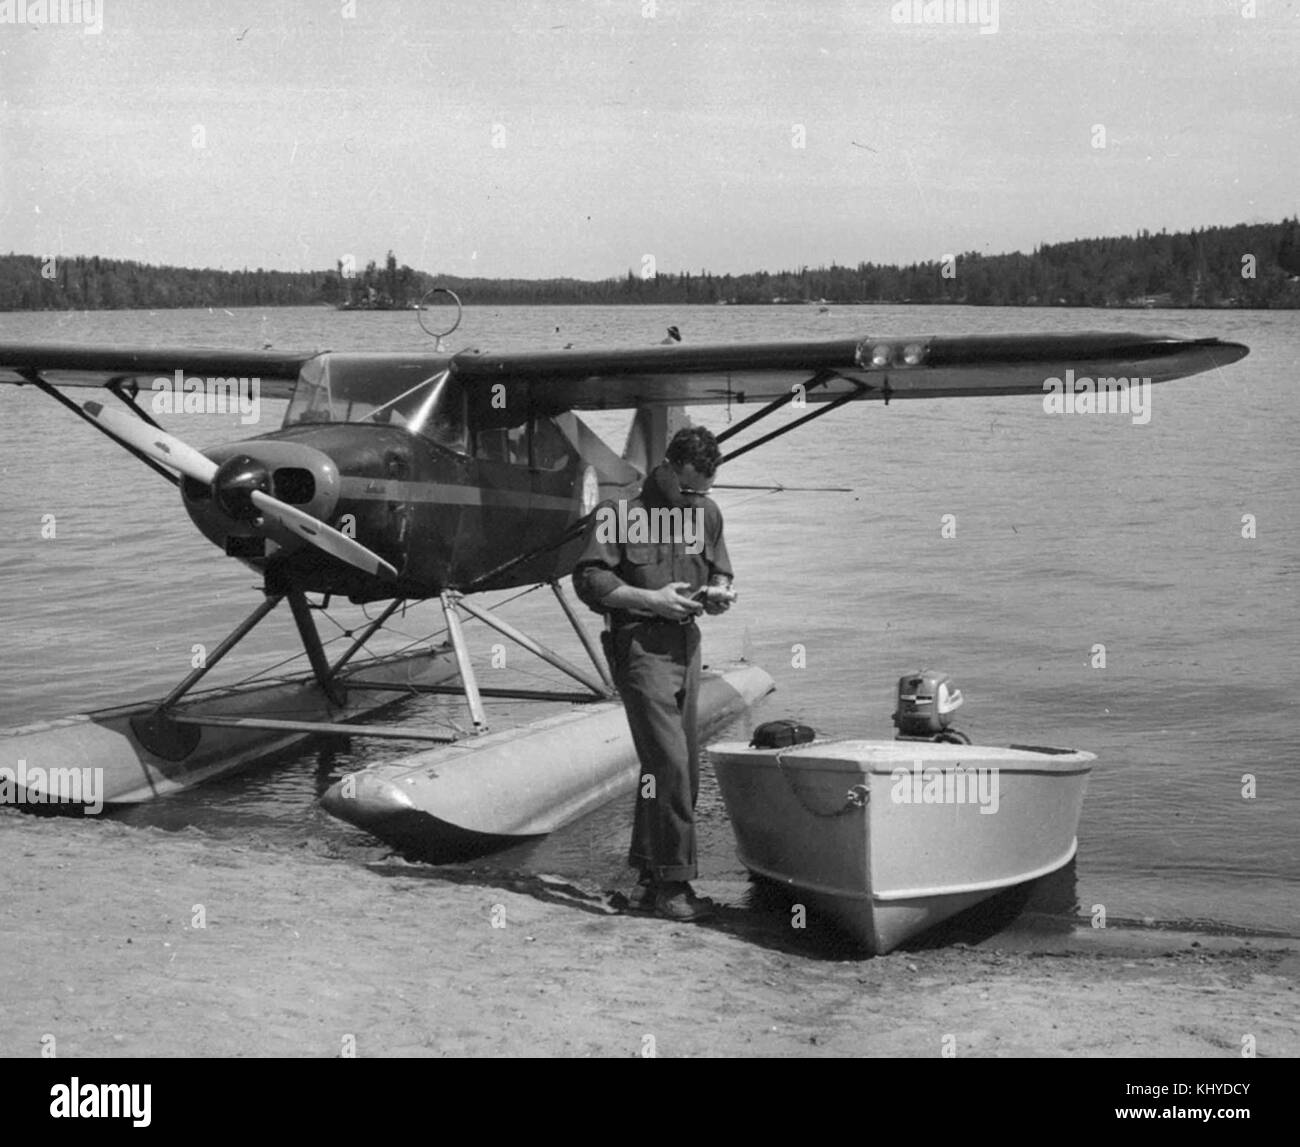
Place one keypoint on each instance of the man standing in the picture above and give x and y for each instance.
(650, 588)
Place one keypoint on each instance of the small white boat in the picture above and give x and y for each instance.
(888, 838)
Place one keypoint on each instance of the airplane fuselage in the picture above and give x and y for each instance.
(483, 508)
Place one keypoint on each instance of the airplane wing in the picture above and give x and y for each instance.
(77, 365)
(930, 366)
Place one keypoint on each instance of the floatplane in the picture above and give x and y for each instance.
(399, 478)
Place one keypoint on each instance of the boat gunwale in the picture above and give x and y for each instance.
(801, 758)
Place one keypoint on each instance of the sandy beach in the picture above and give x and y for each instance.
(140, 942)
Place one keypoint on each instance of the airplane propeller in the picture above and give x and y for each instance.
(239, 485)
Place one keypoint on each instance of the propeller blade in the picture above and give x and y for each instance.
(157, 444)
(321, 536)
(171, 451)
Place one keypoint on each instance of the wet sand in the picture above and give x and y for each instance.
(304, 954)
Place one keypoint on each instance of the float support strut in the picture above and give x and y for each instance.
(467, 678)
(156, 730)
(320, 665)
(584, 637)
(360, 642)
(520, 638)
(236, 635)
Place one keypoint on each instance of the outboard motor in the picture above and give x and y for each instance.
(926, 702)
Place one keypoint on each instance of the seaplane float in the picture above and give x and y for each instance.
(434, 476)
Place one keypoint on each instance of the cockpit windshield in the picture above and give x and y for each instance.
(415, 392)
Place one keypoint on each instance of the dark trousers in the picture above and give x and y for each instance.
(657, 671)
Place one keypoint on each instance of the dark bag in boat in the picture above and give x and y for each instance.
(781, 734)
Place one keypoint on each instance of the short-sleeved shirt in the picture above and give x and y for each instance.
(654, 552)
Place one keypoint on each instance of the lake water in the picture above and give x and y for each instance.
(1071, 532)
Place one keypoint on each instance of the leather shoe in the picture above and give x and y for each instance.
(643, 895)
(676, 901)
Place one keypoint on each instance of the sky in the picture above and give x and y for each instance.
(534, 140)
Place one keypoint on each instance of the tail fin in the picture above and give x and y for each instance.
(651, 431)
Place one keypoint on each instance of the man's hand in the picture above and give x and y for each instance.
(671, 603)
(718, 596)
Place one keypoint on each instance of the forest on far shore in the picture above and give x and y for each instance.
(1254, 265)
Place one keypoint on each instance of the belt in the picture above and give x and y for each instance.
(619, 619)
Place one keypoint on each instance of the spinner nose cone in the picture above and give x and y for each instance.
(233, 485)
(298, 475)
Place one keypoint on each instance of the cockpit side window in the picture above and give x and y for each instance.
(499, 415)
(551, 449)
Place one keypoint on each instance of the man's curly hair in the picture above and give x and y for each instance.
(695, 446)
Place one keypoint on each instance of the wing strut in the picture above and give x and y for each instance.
(37, 381)
(129, 400)
(571, 533)
(821, 378)
(858, 389)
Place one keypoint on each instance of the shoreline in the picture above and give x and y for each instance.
(143, 942)
(632, 305)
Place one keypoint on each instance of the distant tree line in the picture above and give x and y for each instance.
(1248, 265)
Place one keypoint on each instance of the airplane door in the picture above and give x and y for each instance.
(554, 470)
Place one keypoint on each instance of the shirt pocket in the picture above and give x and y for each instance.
(647, 566)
